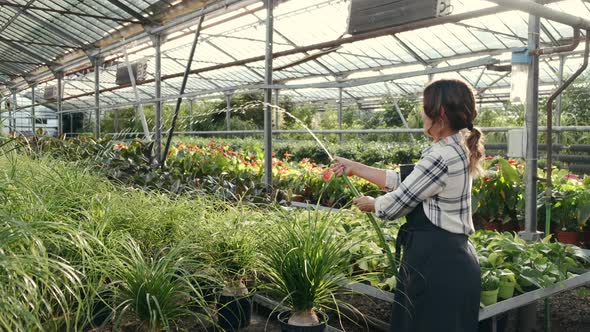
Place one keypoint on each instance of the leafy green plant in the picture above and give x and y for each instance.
(306, 264)
(489, 280)
(155, 293)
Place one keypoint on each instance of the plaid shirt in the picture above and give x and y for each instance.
(440, 180)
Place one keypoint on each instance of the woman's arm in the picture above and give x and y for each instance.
(375, 175)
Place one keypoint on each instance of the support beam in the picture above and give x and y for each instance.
(190, 114)
(182, 89)
(531, 125)
(97, 63)
(60, 120)
(33, 117)
(157, 42)
(277, 101)
(268, 95)
(228, 111)
(12, 114)
(340, 113)
(559, 103)
(139, 113)
(541, 11)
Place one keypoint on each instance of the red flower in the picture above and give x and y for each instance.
(327, 175)
(571, 177)
(288, 155)
(488, 158)
(512, 162)
(487, 179)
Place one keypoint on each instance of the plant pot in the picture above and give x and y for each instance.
(506, 290)
(567, 237)
(283, 319)
(234, 312)
(490, 226)
(101, 311)
(489, 297)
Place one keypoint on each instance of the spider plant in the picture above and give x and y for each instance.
(306, 264)
(156, 293)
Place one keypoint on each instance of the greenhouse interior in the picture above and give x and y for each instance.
(181, 165)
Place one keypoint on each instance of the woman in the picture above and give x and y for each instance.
(439, 282)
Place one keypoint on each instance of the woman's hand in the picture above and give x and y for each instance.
(365, 203)
(343, 166)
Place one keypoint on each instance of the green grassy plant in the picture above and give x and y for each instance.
(306, 264)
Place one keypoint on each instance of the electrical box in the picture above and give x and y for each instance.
(369, 15)
(517, 143)
(50, 92)
(138, 68)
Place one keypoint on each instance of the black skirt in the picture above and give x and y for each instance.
(439, 280)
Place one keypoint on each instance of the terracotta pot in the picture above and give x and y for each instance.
(567, 237)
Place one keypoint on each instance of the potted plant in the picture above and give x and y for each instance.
(507, 284)
(490, 285)
(306, 266)
(231, 246)
(497, 196)
(155, 293)
(564, 212)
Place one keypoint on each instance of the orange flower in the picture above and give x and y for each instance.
(288, 155)
(488, 158)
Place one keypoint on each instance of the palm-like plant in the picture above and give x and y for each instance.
(306, 264)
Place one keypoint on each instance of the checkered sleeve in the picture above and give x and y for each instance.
(392, 180)
(427, 180)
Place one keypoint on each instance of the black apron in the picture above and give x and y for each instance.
(439, 280)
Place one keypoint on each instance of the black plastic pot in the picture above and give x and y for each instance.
(405, 170)
(234, 312)
(101, 311)
(283, 318)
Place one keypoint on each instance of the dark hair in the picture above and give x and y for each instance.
(457, 99)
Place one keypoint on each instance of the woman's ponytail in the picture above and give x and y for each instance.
(474, 143)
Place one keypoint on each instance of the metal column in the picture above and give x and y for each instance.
(531, 124)
(228, 111)
(559, 104)
(277, 110)
(190, 115)
(157, 41)
(340, 113)
(60, 120)
(527, 313)
(33, 118)
(97, 97)
(12, 114)
(268, 96)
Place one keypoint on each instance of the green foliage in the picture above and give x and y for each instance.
(156, 291)
(306, 264)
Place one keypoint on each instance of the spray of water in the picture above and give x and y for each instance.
(372, 220)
